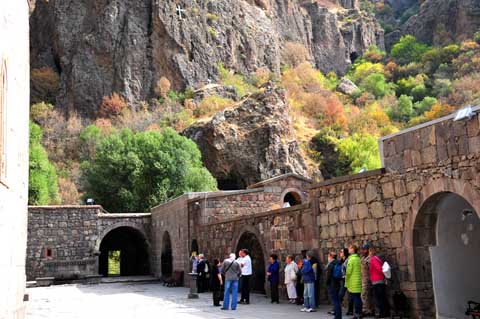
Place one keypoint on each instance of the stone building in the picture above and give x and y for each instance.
(421, 210)
(14, 104)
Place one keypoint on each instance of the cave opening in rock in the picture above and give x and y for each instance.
(124, 252)
(353, 57)
(230, 182)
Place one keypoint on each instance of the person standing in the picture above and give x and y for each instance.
(232, 271)
(333, 277)
(378, 285)
(299, 287)
(368, 307)
(202, 269)
(308, 276)
(291, 270)
(247, 271)
(353, 280)
(343, 290)
(273, 274)
(216, 282)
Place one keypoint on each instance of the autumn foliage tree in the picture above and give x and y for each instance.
(112, 106)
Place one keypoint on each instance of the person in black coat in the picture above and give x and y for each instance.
(333, 283)
(216, 282)
(203, 271)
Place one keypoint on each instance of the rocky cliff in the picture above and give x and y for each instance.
(441, 22)
(250, 142)
(104, 46)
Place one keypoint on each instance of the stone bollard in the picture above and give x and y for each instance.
(193, 294)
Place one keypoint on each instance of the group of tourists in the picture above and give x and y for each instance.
(363, 277)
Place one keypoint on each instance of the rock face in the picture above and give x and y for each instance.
(253, 141)
(114, 46)
(440, 22)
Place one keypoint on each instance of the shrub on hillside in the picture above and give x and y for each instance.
(44, 85)
(294, 54)
(163, 87)
(132, 172)
(408, 50)
(43, 181)
(112, 106)
(212, 104)
(361, 150)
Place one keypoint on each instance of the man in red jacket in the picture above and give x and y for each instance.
(378, 281)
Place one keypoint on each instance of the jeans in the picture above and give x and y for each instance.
(233, 286)
(309, 294)
(245, 288)
(357, 300)
(380, 297)
(334, 296)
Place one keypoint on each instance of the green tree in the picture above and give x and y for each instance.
(43, 180)
(131, 172)
(376, 84)
(403, 110)
(408, 50)
(361, 150)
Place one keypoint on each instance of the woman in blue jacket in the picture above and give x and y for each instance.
(273, 274)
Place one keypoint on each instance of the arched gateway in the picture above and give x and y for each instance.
(250, 241)
(129, 246)
(446, 251)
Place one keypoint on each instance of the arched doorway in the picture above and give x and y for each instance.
(446, 242)
(125, 249)
(250, 241)
(194, 248)
(167, 255)
(292, 199)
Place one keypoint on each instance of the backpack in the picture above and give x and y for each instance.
(337, 271)
(387, 270)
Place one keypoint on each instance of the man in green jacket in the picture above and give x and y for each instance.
(353, 280)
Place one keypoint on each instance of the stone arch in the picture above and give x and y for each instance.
(297, 194)
(248, 237)
(439, 200)
(129, 245)
(109, 228)
(166, 257)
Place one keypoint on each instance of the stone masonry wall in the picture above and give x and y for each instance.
(282, 231)
(14, 106)
(268, 196)
(437, 143)
(172, 218)
(72, 236)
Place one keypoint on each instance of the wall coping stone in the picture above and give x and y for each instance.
(348, 178)
(123, 215)
(262, 214)
(280, 177)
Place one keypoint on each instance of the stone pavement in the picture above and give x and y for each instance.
(144, 301)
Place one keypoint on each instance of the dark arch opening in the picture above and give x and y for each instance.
(250, 241)
(167, 255)
(194, 247)
(292, 198)
(446, 236)
(133, 252)
(353, 57)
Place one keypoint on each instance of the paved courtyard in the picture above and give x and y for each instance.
(143, 301)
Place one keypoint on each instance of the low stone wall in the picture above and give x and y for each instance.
(63, 241)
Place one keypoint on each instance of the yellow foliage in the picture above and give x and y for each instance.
(212, 104)
(294, 54)
(162, 87)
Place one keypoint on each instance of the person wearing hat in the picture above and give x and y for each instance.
(367, 297)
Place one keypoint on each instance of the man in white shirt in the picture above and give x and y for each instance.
(246, 264)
